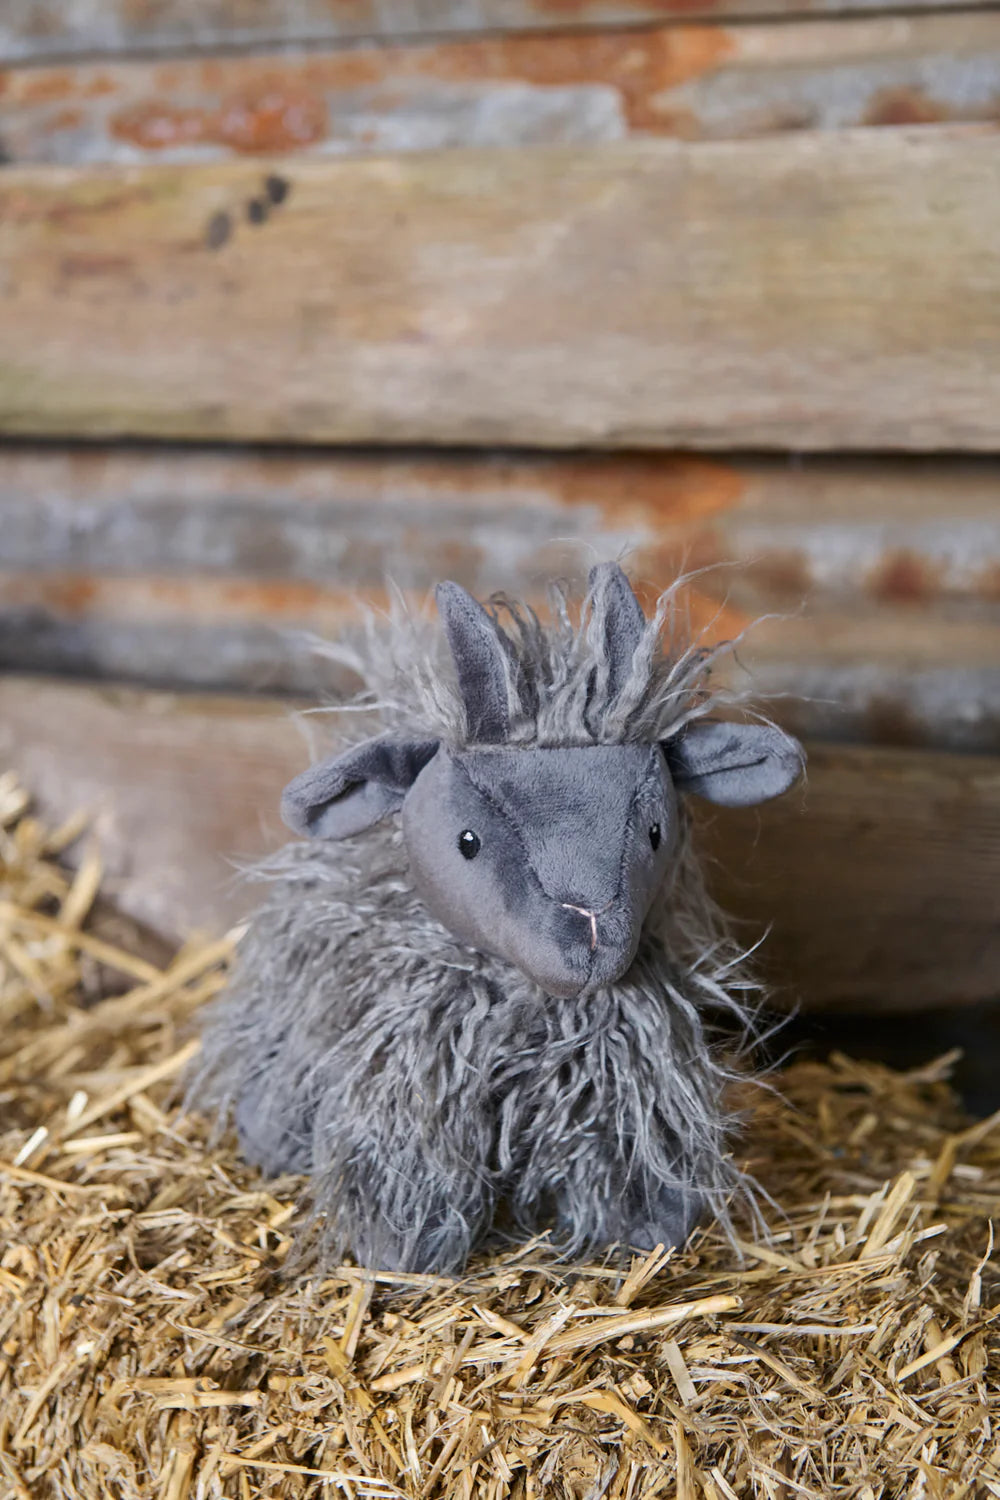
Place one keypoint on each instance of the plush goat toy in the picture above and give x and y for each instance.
(494, 1005)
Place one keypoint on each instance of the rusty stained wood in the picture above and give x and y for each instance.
(34, 30)
(836, 531)
(206, 568)
(879, 876)
(811, 291)
(894, 677)
(692, 81)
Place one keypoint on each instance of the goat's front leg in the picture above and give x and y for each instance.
(403, 1142)
(597, 1159)
(593, 1190)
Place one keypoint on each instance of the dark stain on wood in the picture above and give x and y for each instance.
(277, 188)
(905, 106)
(257, 211)
(889, 722)
(218, 230)
(783, 575)
(905, 578)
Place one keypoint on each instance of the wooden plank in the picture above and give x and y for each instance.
(892, 678)
(34, 30)
(695, 82)
(868, 879)
(850, 532)
(116, 752)
(203, 568)
(880, 876)
(813, 291)
(886, 677)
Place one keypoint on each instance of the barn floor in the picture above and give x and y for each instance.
(164, 1331)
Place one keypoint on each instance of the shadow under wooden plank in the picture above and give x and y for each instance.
(880, 875)
(971, 1033)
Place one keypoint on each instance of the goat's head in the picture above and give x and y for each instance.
(548, 856)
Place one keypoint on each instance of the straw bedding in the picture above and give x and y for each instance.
(163, 1331)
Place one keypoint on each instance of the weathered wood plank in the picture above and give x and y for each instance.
(890, 676)
(832, 531)
(867, 879)
(37, 29)
(181, 567)
(696, 82)
(894, 677)
(346, 519)
(813, 291)
(880, 876)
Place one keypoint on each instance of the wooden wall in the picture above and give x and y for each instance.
(293, 298)
(878, 578)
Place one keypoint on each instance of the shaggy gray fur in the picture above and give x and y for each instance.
(431, 1086)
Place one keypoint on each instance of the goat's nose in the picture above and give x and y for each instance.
(591, 915)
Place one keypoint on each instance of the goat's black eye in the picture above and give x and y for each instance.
(654, 835)
(469, 843)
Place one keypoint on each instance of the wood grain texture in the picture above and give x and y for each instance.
(692, 81)
(32, 30)
(836, 531)
(813, 291)
(881, 882)
(890, 678)
(188, 568)
(880, 876)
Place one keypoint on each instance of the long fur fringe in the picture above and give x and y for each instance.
(433, 1091)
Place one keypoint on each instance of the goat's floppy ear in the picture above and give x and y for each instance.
(354, 790)
(477, 647)
(622, 620)
(734, 765)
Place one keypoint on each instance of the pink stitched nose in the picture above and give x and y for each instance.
(592, 916)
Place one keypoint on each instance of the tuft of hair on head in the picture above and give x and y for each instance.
(595, 670)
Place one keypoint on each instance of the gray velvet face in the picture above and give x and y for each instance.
(547, 857)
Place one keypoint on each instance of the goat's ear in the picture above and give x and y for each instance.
(479, 651)
(356, 789)
(621, 620)
(734, 765)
